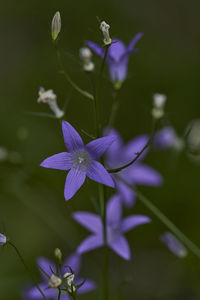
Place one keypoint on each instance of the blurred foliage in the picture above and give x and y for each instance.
(33, 210)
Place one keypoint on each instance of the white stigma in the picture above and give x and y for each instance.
(105, 30)
(81, 160)
(86, 57)
(48, 97)
(69, 279)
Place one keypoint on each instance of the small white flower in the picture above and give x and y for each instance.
(48, 97)
(86, 57)
(56, 26)
(55, 281)
(158, 105)
(105, 30)
(69, 279)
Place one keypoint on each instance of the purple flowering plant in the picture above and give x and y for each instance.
(117, 168)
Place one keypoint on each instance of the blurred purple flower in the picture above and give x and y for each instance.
(74, 262)
(165, 138)
(118, 56)
(3, 239)
(80, 160)
(116, 227)
(173, 244)
(138, 173)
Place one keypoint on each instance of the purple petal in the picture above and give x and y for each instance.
(88, 286)
(46, 265)
(118, 70)
(74, 181)
(98, 173)
(134, 40)
(74, 262)
(145, 175)
(97, 147)
(133, 221)
(114, 210)
(34, 294)
(90, 243)
(121, 247)
(134, 147)
(64, 296)
(72, 139)
(127, 195)
(3, 239)
(60, 161)
(114, 151)
(96, 48)
(116, 50)
(90, 221)
(165, 138)
(173, 244)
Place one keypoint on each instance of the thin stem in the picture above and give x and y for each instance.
(165, 220)
(68, 78)
(114, 109)
(137, 154)
(27, 269)
(98, 125)
(59, 294)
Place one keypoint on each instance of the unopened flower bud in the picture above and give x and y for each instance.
(158, 105)
(86, 57)
(54, 281)
(69, 280)
(3, 239)
(56, 26)
(58, 255)
(48, 97)
(105, 30)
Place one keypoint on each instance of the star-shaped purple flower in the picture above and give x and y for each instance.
(136, 174)
(116, 228)
(80, 160)
(73, 261)
(117, 57)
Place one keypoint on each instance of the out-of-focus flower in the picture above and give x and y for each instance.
(48, 97)
(80, 160)
(86, 57)
(116, 227)
(117, 57)
(74, 261)
(158, 105)
(3, 239)
(138, 173)
(173, 244)
(193, 137)
(166, 138)
(105, 30)
(3, 154)
(56, 26)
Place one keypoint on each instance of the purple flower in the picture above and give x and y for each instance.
(80, 160)
(46, 265)
(116, 227)
(138, 173)
(118, 56)
(165, 138)
(3, 239)
(173, 244)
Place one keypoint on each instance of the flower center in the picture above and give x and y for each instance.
(113, 232)
(81, 160)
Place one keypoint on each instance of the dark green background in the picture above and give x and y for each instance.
(33, 209)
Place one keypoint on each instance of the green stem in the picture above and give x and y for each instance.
(59, 294)
(68, 78)
(114, 109)
(27, 269)
(98, 125)
(165, 220)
